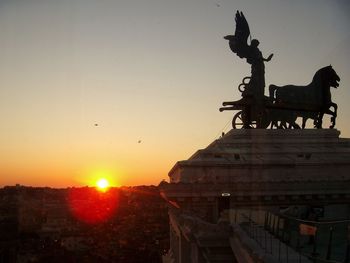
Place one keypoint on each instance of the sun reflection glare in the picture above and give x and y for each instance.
(91, 206)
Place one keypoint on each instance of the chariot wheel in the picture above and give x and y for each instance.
(237, 122)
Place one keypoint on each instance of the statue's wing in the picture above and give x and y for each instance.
(242, 28)
(238, 42)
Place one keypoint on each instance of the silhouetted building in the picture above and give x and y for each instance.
(254, 191)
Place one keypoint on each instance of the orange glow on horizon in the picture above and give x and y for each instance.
(102, 177)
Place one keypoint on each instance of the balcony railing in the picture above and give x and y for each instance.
(291, 239)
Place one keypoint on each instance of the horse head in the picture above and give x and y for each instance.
(330, 77)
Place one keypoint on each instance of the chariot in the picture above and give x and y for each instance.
(286, 103)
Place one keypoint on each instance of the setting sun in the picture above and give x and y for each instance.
(102, 184)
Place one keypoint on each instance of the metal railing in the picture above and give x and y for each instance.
(295, 240)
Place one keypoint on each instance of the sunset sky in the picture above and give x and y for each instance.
(124, 89)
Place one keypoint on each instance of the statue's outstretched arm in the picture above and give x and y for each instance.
(268, 59)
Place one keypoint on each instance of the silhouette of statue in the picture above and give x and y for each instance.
(239, 46)
(256, 60)
(253, 94)
(286, 103)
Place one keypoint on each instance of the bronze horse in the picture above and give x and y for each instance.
(311, 101)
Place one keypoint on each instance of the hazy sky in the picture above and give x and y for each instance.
(124, 89)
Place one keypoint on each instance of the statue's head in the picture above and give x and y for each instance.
(331, 77)
(254, 43)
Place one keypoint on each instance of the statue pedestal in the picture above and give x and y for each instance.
(253, 172)
(254, 155)
(264, 167)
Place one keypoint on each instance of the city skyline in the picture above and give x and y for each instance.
(96, 89)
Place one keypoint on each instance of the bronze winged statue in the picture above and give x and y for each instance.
(238, 45)
(286, 103)
(253, 92)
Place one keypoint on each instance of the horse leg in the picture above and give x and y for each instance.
(272, 91)
(274, 124)
(291, 119)
(319, 120)
(303, 124)
(335, 106)
(283, 125)
(333, 113)
(294, 125)
(278, 125)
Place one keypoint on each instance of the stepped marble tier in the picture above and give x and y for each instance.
(255, 166)
(268, 156)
